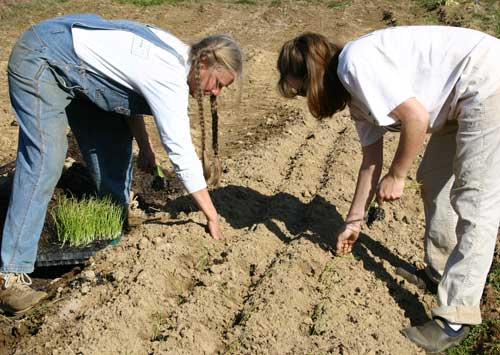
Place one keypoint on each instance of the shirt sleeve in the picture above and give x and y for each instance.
(371, 76)
(169, 105)
(160, 78)
(163, 84)
(368, 133)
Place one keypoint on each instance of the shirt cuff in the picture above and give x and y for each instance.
(193, 179)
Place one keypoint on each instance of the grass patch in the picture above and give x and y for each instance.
(245, 2)
(479, 341)
(482, 15)
(81, 222)
(431, 5)
(339, 3)
(149, 2)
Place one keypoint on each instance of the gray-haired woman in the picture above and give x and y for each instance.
(96, 75)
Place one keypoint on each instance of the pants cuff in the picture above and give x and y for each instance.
(459, 314)
(17, 269)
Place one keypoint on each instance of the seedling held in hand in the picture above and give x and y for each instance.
(158, 178)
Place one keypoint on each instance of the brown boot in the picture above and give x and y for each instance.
(16, 295)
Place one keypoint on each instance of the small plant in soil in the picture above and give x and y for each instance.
(158, 179)
(80, 222)
(375, 213)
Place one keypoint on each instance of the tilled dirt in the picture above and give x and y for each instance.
(273, 285)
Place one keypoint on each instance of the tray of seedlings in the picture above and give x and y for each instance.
(78, 224)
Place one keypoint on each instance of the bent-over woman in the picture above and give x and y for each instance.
(417, 80)
(98, 77)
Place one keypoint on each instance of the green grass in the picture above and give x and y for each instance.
(483, 15)
(81, 222)
(478, 341)
(149, 2)
(245, 2)
(431, 5)
(339, 3)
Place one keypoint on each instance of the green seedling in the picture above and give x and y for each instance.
(233, 347)
(158, 178)
(80, 222)
(411, 185)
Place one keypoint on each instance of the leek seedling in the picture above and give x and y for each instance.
(81, 222)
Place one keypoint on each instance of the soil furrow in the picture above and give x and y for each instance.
(198, 324)
(216, 279)
(285, 292)
(305, 172)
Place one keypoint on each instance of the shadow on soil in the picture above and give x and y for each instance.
(243, 207)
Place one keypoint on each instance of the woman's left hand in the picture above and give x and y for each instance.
(390, 188)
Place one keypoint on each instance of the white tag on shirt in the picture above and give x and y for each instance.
(140, 47)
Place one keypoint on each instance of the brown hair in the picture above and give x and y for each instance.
(220, 50)
(312, 58)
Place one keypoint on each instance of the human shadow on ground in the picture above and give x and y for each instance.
(317, 220)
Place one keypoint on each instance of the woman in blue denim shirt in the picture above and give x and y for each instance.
(99, 77)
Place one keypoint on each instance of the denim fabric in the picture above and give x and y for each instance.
(50, 89)
(56, 37)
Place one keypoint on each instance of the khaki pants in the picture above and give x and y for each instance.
(460, 173)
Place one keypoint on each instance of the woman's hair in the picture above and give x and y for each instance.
(313, 59)
(219, 51)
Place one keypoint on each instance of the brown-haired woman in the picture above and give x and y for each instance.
(414, 80)
(96, 76)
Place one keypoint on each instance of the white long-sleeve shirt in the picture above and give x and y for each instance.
(156, 74)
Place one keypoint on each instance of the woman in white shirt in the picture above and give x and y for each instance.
(97, 75)
(419, 79)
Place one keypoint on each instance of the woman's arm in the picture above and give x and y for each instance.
(369, 173)
(147, 157)
(204, 202)
(414, 119)
(148, 160)
(368, 177)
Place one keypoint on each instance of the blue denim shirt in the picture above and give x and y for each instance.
(72, 73)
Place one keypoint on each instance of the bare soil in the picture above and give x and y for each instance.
(273, 285)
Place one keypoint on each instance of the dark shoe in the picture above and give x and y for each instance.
(16, 295)
(419, 278)
(436, 335)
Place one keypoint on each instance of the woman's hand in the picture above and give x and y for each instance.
(204, 202)
(347, 236)
(213, 228)
(146, 161)
(390, 188)
(147, 158)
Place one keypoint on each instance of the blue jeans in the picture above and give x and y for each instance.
(44, 108)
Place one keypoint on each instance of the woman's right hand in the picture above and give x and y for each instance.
(347, 236)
